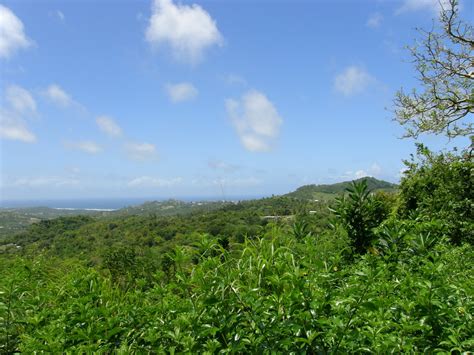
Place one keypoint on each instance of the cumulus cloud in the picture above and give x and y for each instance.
(20, 100)
(141, 151)
(435, 6)
(12, 33)
(181, 92)
(12, 127)
(353, 80)
(374, 170)
(255, 120)
(148, 181)
(58, 96)
(374, 20)
(88, 147)
(187, 29)
(360, 174)
(401, 173)
(109, 126)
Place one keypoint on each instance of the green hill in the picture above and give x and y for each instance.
(325, 192)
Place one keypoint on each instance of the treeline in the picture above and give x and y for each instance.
(369, 272)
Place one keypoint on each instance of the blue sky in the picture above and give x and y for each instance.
(175, 99)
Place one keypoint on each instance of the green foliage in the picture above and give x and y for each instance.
(329, 192)
(277, 294)
(235, 281)
(440, 186)
(359, 212)
(443, 61)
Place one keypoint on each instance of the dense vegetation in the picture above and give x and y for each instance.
(327, 192)
(13, 220)
(383, 272)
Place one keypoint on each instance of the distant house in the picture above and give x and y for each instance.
(271, 217)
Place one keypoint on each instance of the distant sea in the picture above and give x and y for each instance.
(107, 203)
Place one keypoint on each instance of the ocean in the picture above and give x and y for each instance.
(106, 203)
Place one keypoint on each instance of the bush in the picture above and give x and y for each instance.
(440, 186)
(359, 212)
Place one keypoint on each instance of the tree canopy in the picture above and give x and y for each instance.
(445, 65)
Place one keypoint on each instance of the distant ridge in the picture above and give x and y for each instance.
(310, 192)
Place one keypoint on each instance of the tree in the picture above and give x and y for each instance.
(359, 212)
(440, 187)
(445, 65)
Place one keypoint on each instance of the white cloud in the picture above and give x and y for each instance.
(148, 181)
(58, 96)
(187, 29)
(109, 126)
(141, 151)
(12, 33)
(20, 100)
(360, 174)
(12, 127)
(89, 147)
(353, 80)
(12, 123)
(374, 170)
(374, 20)
(435, 6)
(181, 92)
(401, 173)
(255, 120)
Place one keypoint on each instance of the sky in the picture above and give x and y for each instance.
(158, 98)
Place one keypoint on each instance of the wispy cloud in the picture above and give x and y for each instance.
(374, 20)
(40, 181)
(353, 80)
(12, 127)
(20, 100)
(238, 182)
(19, 105)
(434, 6)
(141, 151)
(60, 15)
(255, 120)
(58, 96)
(12, 33)
(109, 126)
(222, 166)
(234, 79)
(88, 147)
(149, 181)
(180, 92)
(187, 29)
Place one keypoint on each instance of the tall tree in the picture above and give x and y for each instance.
(444, 61)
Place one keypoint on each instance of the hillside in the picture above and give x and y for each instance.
(15, 220)
(329, 191)
(282, 274)
(171, 208)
